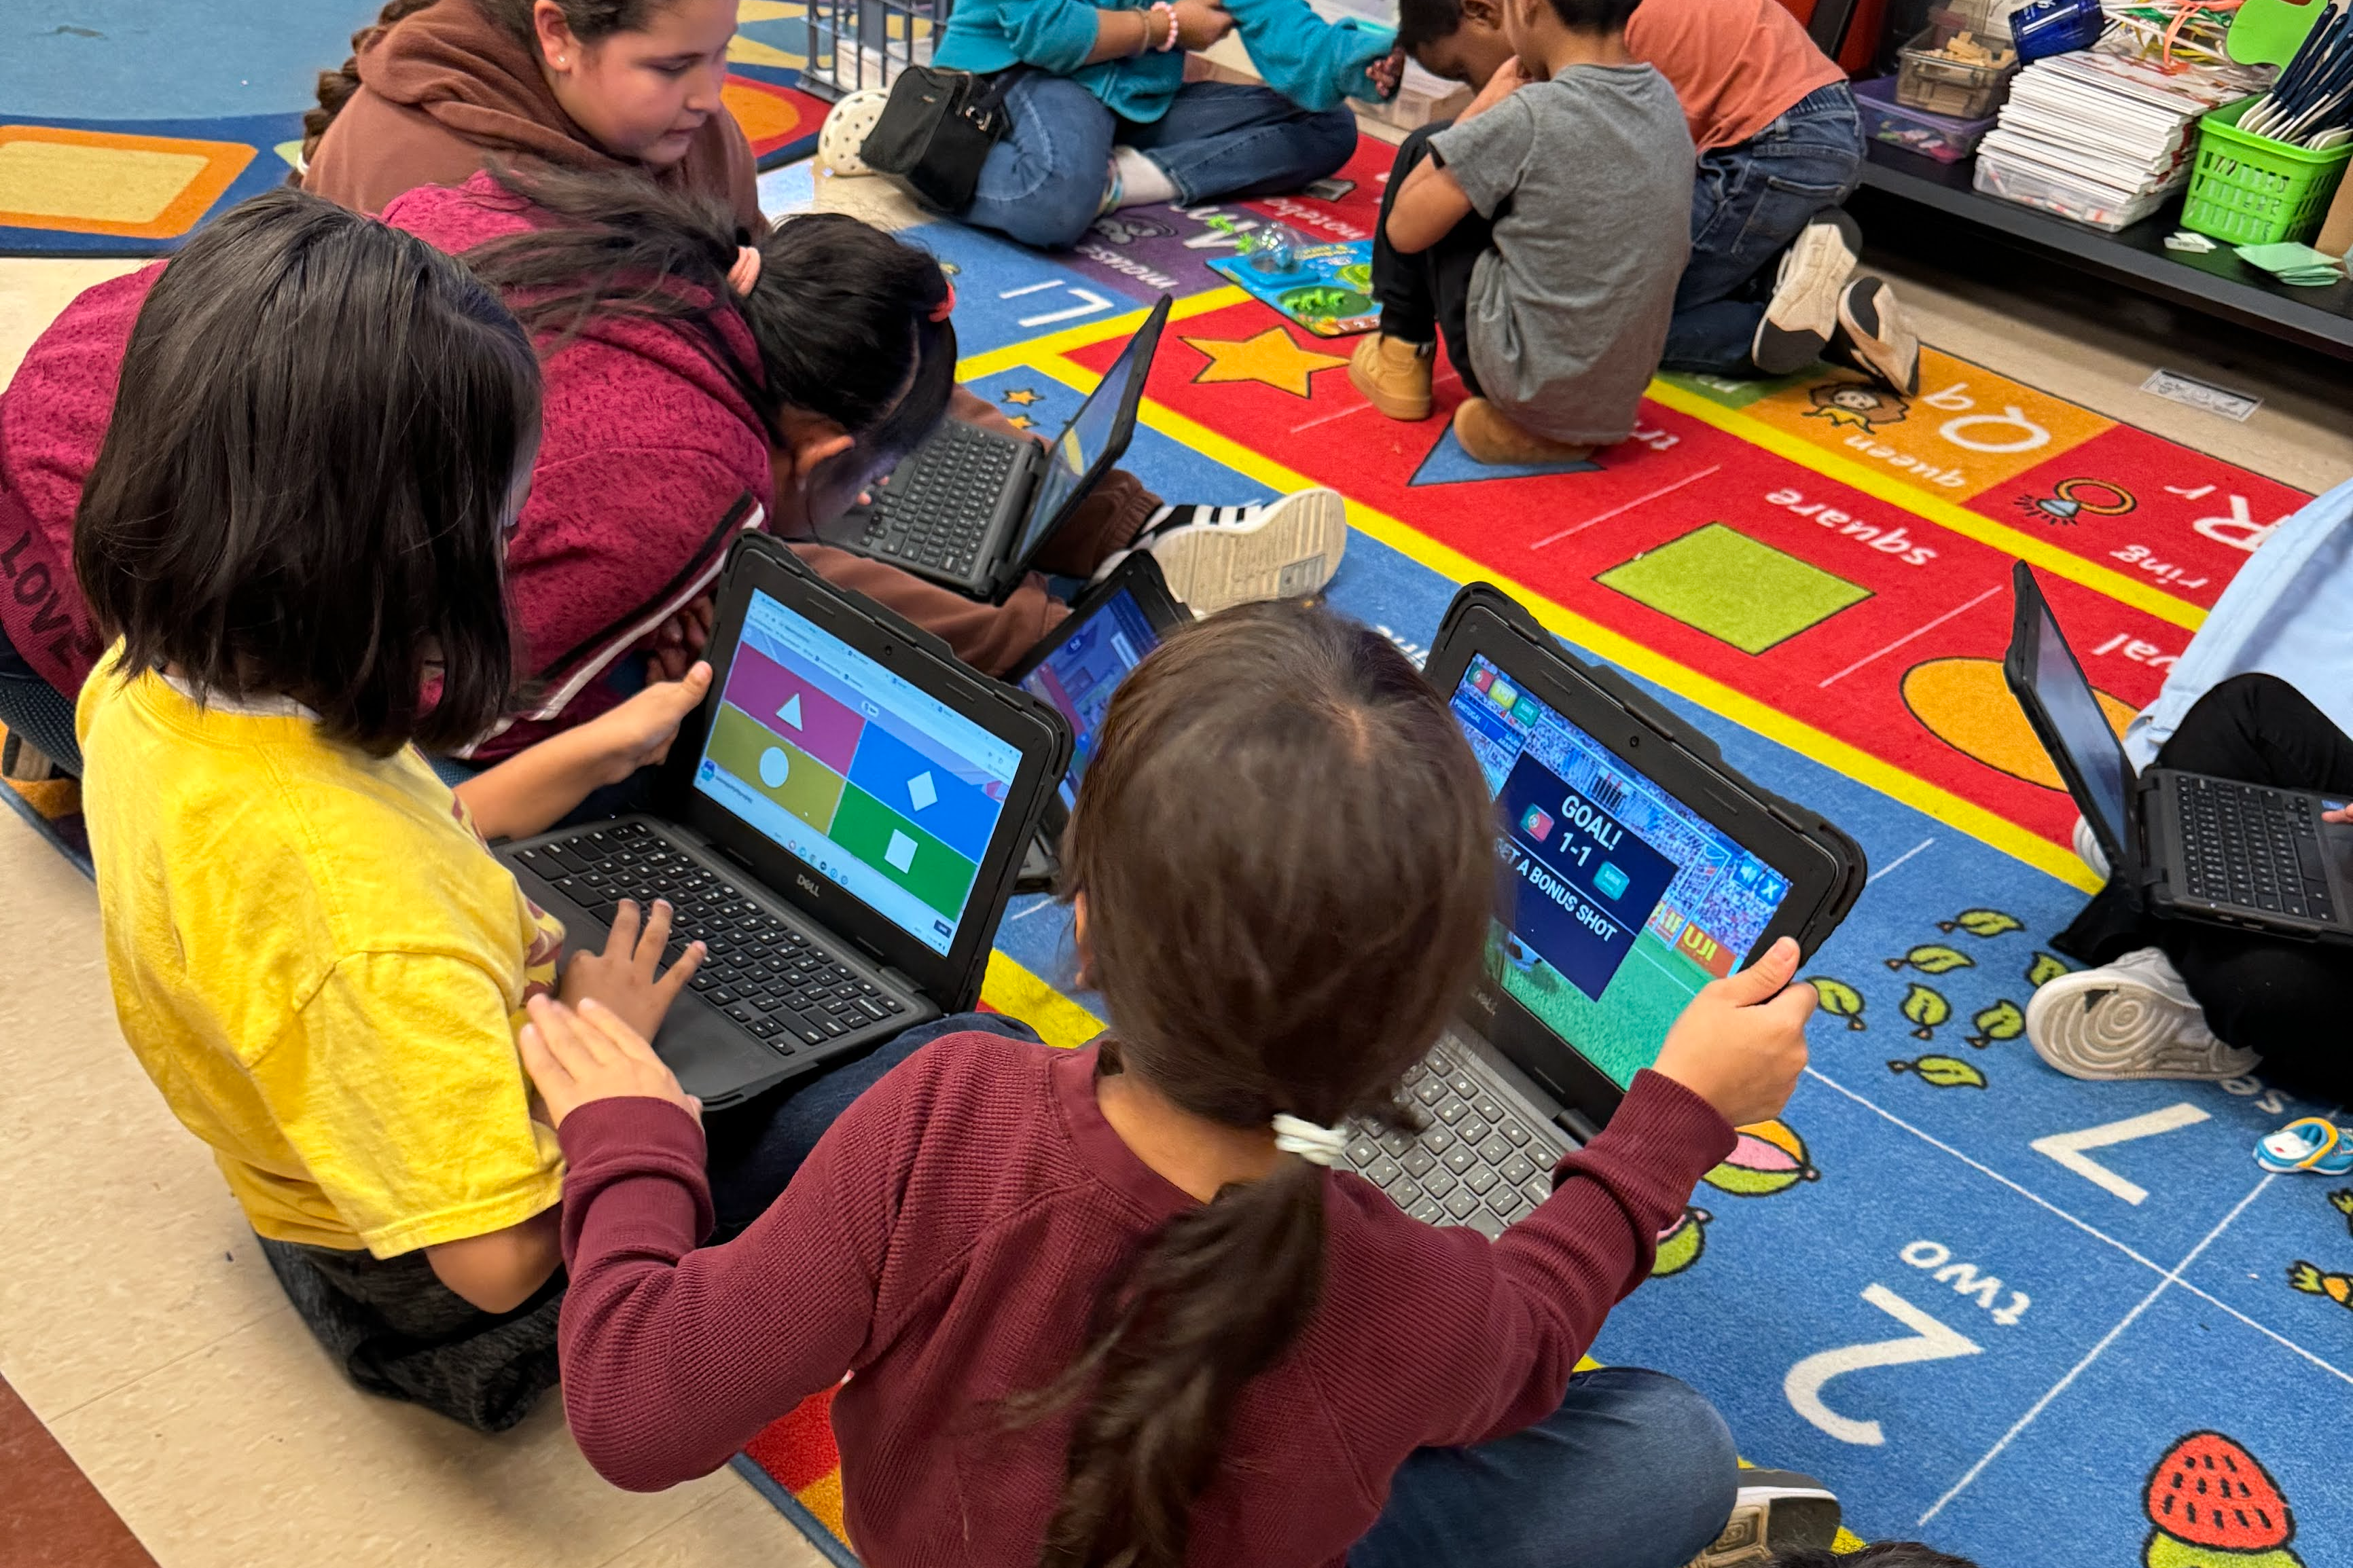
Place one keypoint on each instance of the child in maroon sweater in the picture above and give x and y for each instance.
(1109, 1305)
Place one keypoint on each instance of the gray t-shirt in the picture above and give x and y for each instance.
(1588, 178)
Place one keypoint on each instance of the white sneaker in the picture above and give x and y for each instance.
(1222, 557)
(846, 128)
(2132, 1018)
(1803, 314)
(1777, 1510)
(2088, 851)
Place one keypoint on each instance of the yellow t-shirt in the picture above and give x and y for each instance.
(321, 967)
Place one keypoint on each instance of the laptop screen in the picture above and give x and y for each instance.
(881, 787)
(1083, 440)
(2094, 754)
(1078, 677)
(1624, 902)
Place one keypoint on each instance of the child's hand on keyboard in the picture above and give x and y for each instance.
(622, 978)
(577, 1058)
(2342, 814)
(1741, 1043)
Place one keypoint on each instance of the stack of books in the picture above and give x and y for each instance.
(2102, 138)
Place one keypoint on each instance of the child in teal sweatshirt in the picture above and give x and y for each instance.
(1103, 117)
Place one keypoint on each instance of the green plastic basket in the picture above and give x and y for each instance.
(2251, 190)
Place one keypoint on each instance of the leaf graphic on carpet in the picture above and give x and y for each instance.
(1983, 923)
(2338, 1287)
(1941, 1072)
(2342, 1200)
(1933, 960)
(2043, 970)
(1925, 1007)
(2002, 1021)
(1839, 999)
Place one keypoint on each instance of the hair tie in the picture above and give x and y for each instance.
(941, 311)
(745, 275)
(1316, 1145)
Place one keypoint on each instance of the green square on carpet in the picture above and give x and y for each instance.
(1724, 583)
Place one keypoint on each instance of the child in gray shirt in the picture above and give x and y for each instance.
(1542, 233)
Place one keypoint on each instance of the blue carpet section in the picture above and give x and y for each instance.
(179, 59)
(1976, 1342)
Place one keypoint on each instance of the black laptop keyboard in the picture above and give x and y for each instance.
(2251, 847)
(936, 511)
(1483, 1161)
(783, 987)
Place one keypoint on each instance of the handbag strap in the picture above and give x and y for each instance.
(985, 110)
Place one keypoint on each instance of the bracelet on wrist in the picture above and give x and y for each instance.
(1170, 42)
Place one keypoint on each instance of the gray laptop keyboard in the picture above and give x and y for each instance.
(936, 511)
(1485, 1159)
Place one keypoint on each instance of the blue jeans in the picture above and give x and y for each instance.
(1634, 1470)
(1748, 201)
(31, 707)
(754, 1148)
(1043, 184)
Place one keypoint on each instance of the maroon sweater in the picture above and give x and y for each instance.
(943, 1247)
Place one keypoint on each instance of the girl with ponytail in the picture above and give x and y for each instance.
(1110, 1308)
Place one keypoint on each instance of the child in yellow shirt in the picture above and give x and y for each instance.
(323, 431)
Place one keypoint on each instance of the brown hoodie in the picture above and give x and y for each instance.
(447, 88)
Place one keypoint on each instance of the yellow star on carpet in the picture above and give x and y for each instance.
(1021, 421)
(1273, 357)
(1025, 396)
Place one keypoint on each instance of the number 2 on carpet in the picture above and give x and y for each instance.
(1929, 1341)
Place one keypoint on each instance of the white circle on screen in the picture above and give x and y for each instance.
(775, 767)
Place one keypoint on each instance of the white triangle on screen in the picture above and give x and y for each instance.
(791, 711)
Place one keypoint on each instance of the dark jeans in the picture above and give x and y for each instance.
(2286, 1000)
(1748, 201)
(1043, 184)
(1427, 295)
(396, 1329)
(31, 707)
(1634, 1470)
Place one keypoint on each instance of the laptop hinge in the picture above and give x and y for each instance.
(903, 980)
(1578, 1126)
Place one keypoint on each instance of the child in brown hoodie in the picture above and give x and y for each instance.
(436, 89)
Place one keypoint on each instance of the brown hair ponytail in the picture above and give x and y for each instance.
(1286, 852)
(336, 87)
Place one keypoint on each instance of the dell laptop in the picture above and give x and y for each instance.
(1633, 868)
(1078, 666)
(2195, 847)
(840, 823)
(971, 507)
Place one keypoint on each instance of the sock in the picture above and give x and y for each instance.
(1137, 181)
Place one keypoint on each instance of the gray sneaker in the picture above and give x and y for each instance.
(1287, 549)
(1803, 314)
(1777, 1509)
(2132, 1018)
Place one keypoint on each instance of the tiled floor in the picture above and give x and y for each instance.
(139, 1325)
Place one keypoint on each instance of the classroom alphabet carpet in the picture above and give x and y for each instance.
(124, 127)
(2038, 1321)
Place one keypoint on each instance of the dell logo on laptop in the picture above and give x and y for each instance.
(809, 887)
(1483, 998)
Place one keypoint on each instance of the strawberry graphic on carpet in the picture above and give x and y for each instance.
(2215, 1506)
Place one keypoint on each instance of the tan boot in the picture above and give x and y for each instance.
(1488, 435)
(1393, 374)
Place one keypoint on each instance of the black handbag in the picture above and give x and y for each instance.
(937, 131)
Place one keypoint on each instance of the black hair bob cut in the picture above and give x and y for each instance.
(314, 453)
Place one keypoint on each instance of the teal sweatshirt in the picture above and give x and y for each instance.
(1313, 62)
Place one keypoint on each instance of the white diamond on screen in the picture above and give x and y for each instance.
(775, 767)
(902, 853)
(791, 711)
(921, 791)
